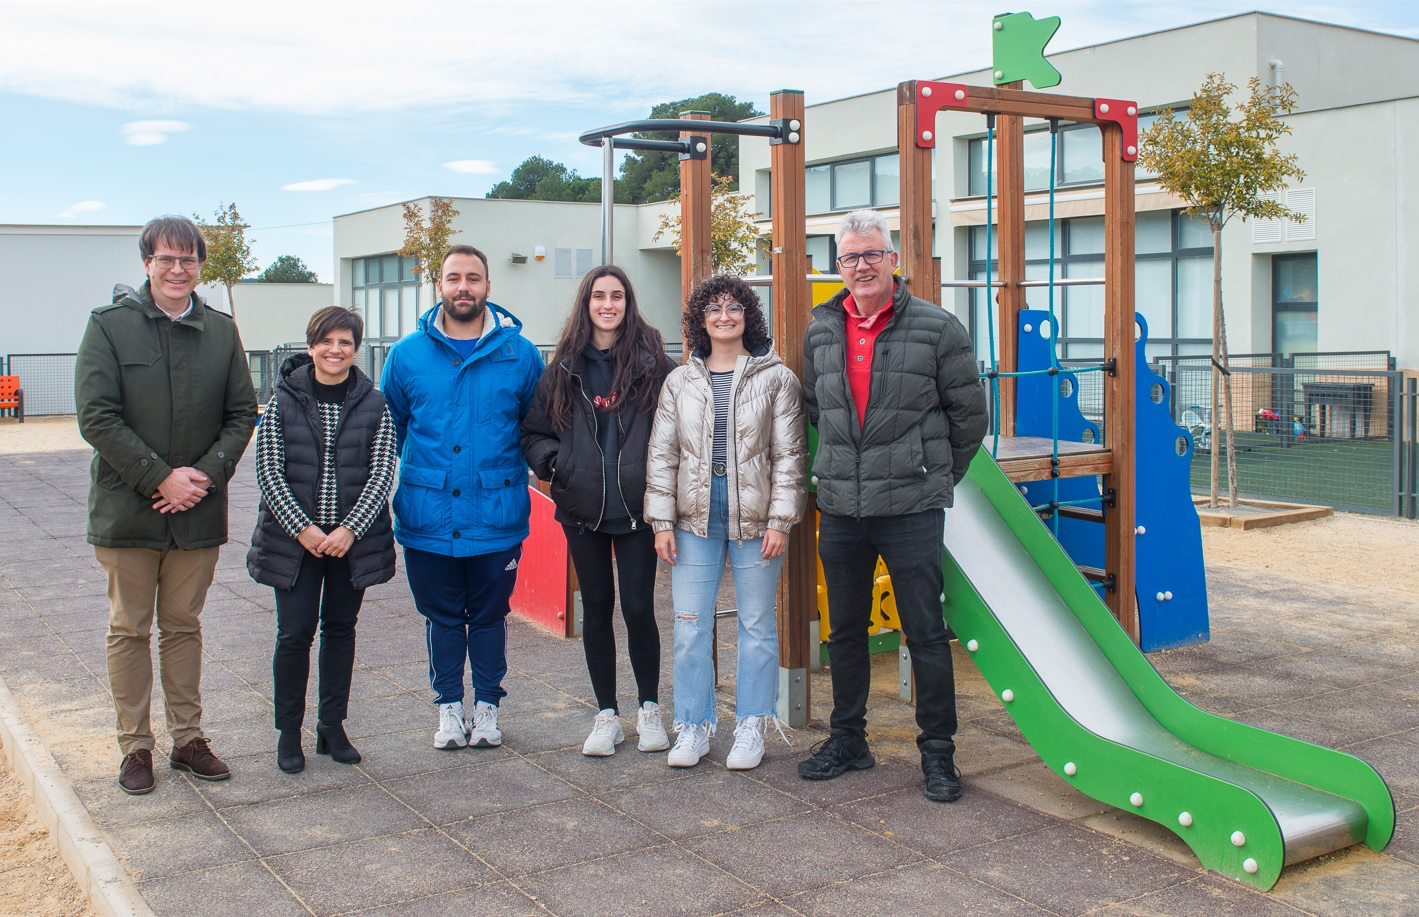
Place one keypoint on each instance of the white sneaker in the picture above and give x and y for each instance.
(606, 734)
(691, 744)
(748, 749)
(651, 728)
(451, 732)
(483, 731)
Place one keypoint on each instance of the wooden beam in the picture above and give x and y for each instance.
(696, 262)
(1120, 413)
(1010, 214)
(915, 179)
(798, 585)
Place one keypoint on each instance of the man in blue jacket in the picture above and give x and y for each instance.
(457, 390)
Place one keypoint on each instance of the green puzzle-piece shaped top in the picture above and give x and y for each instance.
(1019, 49)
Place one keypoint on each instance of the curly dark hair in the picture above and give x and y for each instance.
(756, 327)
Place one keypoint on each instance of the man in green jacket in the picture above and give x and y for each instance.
(890, 382)
(164, 396)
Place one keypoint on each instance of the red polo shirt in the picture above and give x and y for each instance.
(861, 336)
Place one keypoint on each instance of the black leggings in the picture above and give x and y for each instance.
(298, 610)
(635, 565)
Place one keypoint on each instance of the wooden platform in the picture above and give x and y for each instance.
(1027, 458)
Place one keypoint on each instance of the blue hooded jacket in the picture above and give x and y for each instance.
(462, 477)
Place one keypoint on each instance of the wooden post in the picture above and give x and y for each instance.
(696, 262)
(1119, 387)
(915, 206)
(798, 586)
(1010, 213)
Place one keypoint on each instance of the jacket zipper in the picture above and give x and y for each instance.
(591, 416)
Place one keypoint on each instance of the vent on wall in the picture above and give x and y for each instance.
(1300, 200)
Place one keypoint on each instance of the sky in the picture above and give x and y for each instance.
(114, 112)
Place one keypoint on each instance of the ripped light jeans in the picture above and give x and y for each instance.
(694, 583)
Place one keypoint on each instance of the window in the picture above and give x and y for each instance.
(849, 185)
(572, 263)
(1080, 155)
(1294, 304)
(1172, 282)
(386, 291)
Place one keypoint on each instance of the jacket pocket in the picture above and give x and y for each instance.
(505, 504)
(419, 503)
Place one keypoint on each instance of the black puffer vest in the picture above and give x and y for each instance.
(275, 557)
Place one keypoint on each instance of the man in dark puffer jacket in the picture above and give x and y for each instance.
(890, 382)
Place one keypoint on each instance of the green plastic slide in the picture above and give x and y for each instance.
(1248, 802)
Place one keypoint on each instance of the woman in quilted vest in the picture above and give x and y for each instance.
(325, 461)
(726, 477)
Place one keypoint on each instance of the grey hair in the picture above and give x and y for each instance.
(863, 223)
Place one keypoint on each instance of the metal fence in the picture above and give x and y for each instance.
(48, 381)
(1409, 449)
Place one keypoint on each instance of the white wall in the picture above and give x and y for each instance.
(272, 314)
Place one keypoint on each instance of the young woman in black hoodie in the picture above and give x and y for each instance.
(586, 433)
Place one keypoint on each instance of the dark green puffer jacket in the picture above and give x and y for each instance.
(926, 414)
(152, 395)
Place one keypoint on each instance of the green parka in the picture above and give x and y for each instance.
(926, 414)
(152, 395)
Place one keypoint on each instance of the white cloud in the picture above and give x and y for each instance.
(151, 133)
(81, 207)
(319, 184)
(473, 166)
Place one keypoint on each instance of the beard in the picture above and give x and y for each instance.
(466, 309)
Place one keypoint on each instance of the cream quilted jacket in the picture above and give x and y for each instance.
(767, 449)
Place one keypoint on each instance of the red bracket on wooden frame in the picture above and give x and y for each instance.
(931, 98)
(1125, 114)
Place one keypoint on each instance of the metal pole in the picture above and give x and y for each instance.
(608, 198)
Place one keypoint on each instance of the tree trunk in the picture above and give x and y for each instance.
(231, 301)
(1217, 329)
(1220, 354)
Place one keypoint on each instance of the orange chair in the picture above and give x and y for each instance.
(12, 397)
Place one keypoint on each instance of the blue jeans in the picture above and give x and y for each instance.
(694, 584)
(464, 601)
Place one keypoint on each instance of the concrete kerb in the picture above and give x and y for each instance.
(81, 844)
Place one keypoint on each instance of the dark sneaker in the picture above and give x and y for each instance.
(942, 779)
(836, 755)
(197, 759)
(135, 774)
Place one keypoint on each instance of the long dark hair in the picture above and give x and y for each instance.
(756, 328)
(638, 347)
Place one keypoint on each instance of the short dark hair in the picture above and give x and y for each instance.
(756, 328)
(179, 232)
(464, 250)
(334, 318)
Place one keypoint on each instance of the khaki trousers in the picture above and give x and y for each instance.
(174, 583)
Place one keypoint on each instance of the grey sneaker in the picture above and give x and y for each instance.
(483, 731)
(451, 733)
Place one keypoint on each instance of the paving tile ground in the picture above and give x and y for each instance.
(535, 827)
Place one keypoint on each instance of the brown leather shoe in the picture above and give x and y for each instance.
(135, 774)
(197, 759)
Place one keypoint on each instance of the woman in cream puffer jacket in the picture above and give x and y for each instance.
(725, 482)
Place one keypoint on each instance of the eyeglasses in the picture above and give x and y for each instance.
(871, 257)
(731, 310)
(167, 262)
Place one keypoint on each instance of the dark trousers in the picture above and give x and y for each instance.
(464, 601)
(910, 545)
(635, 567)
(322, 594)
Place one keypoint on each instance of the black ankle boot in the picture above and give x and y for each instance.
(330, 740)
(289, 756)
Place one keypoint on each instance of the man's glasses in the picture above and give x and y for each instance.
(731, 310)
(871, 257)
(167, 262)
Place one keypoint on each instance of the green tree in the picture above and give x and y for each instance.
(734, 239)
(541, 179)
(287, 269)
(655, 176)
(1224, 163)
(427, 241)
(229, 256)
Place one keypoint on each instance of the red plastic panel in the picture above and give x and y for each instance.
(931, 97)
(541, 592)
(1125, 113)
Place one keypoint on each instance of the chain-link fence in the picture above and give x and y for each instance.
(48, 381)
(1324, 436)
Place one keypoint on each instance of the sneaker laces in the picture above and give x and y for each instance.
(688, 734)
(605, 723)
(449, 720)
(749, 734)
(485, 716)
